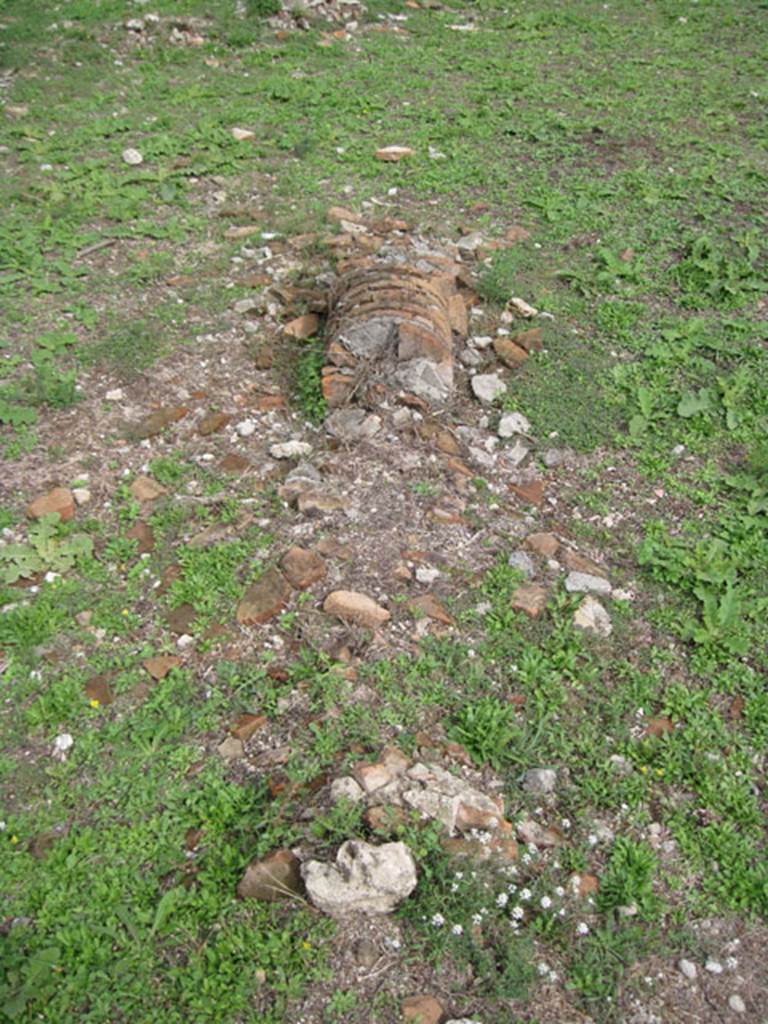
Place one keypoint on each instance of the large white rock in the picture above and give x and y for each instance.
(591, 615)
(365, 879)
(488, 387)
(513, 423)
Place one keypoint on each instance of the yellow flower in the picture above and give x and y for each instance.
(126, 612)
(14, 840)
(95, 703)
(644, 769)
(306, 945)
(659, 771)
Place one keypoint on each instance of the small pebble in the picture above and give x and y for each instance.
(688, 968)
(713, 966)
(737, 1004)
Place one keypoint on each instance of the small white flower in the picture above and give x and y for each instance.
(454, 887)
(532, 849)
(552, 976)
(459, 875)
(592, 839)
(546, 902)
(543, 968)
(518, 913)
(560, 892)
(477, 919)
(526, 858)
(457, 929)
(566, 823)
(561, 912)
(525, 894)
(438, 920)
(502, 899)
(582, 928)
(731, 963)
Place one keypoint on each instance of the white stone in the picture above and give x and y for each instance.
(243, 306)
(116, 395)
(713, 966)
(246, 427)
(512, 423)
(346, 788)
(540, 781)
(687, 968)
(584, 582)
(522, 308)
(481, 341)
(242, 134)
(591, 615)
(516, 454)
(132, 157)
(523, 562)
(81, 495)
(290, 450)
(427, 574)
(365, 879)
(737, 1004)
(62, 745)
(488, 387)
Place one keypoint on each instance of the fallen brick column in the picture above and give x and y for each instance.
(391, 324)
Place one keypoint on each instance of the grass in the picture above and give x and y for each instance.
(635, 154)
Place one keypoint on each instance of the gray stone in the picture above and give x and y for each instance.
(540, 781)
(425, 379)
(132, 157)
(437, 806)
(365, 879)
(470, 243)
(687, 968)
(352, 425)
(346, 788)
(553, 457)
(713, 966)
(516, 454)
(512, 423)
(523, 562)
(488, 387)
(584, 582)
(290, 449)
(591, 615)
(737, 1004)
(470, 358)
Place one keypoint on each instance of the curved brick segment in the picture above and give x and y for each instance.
(392, 321)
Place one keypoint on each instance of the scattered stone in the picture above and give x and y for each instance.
(522, 562)
(81, 495)
(231, 749)
(116, 395)
(264, 599)
(60, 500)
(532, 492)
(578, 563)
(554, 457)
(687, 968)
(373, 776)
(487, 387)
(246, 428)
(422, 1010)
(290, 450)
(713, 966)
(98, 689)
(145, 489)
(234, 463)
(393, 154)
(530, 340)
(302, 568)
(540, 781)
(302, 327)
(156, 422)
(513, 423)
(530, 599)
(427, 574)
(132, 157)
(582, 582)
(212, 422)
(248, 305)
(509, 353)
(351, 424)
(737, 1004)
(62, 746)
(429, 606)
(243, 134)
(320, 501)
(591, 615)
(357, 608)
(522, 308)
(469, 244)
(247, 725)
(544, 544)
(531, 832)
(346, 788)
(161, 664)
(365, 879)
(516, 454)
(275, 877)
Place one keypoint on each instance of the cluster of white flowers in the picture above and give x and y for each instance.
(502, 899)
(582, 928)
(438, 920)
